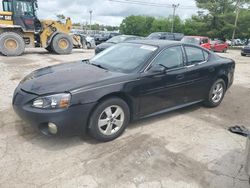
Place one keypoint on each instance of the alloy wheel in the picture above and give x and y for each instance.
(217, 93)
(111, 120)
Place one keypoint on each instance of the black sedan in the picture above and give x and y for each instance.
(245, 50)
(115, 40)
(126, 82)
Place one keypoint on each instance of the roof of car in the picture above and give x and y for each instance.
(159, 43)
(196, 36)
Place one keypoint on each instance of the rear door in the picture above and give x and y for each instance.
(199, 73)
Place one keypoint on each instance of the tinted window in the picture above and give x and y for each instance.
(170, 58)
(194, 55)
(204, 41)
(23, 8)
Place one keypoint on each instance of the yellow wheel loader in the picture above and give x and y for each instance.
(20, 28)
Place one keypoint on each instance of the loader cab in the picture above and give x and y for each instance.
(23, 13)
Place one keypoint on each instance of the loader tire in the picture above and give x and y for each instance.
(62, 44)
(11, 44)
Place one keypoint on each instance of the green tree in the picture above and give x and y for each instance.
(60, 17)
(136, 25)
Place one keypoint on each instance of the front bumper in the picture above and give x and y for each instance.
(70, 121)
(245, 51)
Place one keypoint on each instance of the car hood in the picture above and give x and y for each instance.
(67, 77)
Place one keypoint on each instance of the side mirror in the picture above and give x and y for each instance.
(36, 5)
(158, 69)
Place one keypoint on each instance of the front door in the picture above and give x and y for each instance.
(163, 89)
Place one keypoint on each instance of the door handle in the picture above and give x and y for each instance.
(180, 77)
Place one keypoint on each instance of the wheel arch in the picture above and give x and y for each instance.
(50, 39)
(224, 78)
(120, 95)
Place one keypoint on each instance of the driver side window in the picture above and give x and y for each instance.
(171, 58)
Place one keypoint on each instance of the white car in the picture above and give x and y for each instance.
(90, 42)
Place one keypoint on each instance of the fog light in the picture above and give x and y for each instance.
(52, 128)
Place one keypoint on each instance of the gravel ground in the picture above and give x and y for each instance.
(186, 148)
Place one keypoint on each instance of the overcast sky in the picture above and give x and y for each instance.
(110, 13)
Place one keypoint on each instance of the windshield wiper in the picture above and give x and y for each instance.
(100, 66)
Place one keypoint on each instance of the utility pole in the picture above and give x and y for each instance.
(236, 18)
(90, 18)
(175, 6)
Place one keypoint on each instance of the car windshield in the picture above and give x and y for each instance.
(117, 39)
(123, 57)
(191, 40)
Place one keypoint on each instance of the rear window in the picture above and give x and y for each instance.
(195, 55)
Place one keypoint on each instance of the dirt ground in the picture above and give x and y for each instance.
(188, 148)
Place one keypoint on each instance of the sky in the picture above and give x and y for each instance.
(111, 13)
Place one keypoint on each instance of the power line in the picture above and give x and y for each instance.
(160, 5)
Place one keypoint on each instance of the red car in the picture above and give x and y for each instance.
(198, 40)
(219, 46)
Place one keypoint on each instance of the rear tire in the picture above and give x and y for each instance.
(11, 44)
(216, 94)
(62, 44)
(109, 119)
(243, 54)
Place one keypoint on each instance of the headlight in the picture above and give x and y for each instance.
(52, 101)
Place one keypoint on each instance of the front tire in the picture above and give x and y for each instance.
(216, 94)
(62, 44)
(11, 44)
(109, 120)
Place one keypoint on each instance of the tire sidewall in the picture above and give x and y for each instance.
(210, 102)
(20, 44)
(93, 121)
(55, 45)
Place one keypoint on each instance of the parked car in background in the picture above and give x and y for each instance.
(219, 46)
(115, 40)
(198, 40)
(246, 50)
(229, 42)
(90, 42)
(104, 37)
(129, 81)
(86, 40)
(166, 36)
